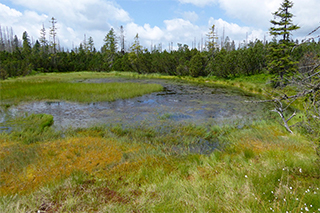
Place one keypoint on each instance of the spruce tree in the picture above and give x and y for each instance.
(109, 49)
(135, 56)
(90, 44)
(281, 63)
(136, 47)
(26, 46)
(196, 65)
(110, 42)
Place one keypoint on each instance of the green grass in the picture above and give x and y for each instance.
(256, 84)
(257, 168)
(59, 87)
(78, 92)
(32, 128)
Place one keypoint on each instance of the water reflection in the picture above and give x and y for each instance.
(178, 102)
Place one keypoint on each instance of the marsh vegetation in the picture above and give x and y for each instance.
(233, 166)
(57, 87)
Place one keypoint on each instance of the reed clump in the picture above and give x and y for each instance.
(16, 92)
(259, 168)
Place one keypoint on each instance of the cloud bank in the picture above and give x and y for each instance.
(96, 17)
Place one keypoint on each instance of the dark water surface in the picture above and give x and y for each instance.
(179, 102)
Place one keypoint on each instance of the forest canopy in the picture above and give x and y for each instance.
(279, 57)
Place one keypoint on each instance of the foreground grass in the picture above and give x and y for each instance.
(60, 87)
(259, 168)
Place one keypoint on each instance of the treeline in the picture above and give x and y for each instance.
(20, 58)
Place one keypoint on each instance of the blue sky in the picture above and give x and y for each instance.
(155, 21)
(155, 11)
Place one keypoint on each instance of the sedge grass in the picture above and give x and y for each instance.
(259, 169)
(58, 86)
(78, 92)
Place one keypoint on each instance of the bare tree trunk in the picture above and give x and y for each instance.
(285, 121)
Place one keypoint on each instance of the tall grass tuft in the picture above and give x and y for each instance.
(32, 128)
(258, 169)
(15, 92)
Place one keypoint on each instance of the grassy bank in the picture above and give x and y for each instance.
(257, 167)
(61, 87)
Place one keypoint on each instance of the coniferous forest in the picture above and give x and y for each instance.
(20, 57)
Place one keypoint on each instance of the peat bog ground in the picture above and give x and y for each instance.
(180, 147)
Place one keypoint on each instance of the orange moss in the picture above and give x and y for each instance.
(149, 163)
(5, 147)
(90, 132)
(208, 173)
(59, 159)
(259, 146)
(125, 168)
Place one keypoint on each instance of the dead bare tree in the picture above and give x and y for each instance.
(280, 110)
(306, 84)
(281, 103)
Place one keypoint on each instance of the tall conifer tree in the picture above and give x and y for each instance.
(280, 62)
(109, 49)
(26, 46)
(110, 42)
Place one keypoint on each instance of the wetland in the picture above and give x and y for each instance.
(178, 102)
(177, 146)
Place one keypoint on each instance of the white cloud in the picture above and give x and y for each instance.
(91, 17)
(27, 21)
(306, 14)
(237, 33)
(199, 3)
(96, 17)
(182, 30)
(175, 30)
(8, 15)
(190, 16)
(147, 35)
(85, 13)
(258, 13)
(251, 12)
(145, 32)
(231, 29)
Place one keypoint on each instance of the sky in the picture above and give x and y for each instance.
(155, 21)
